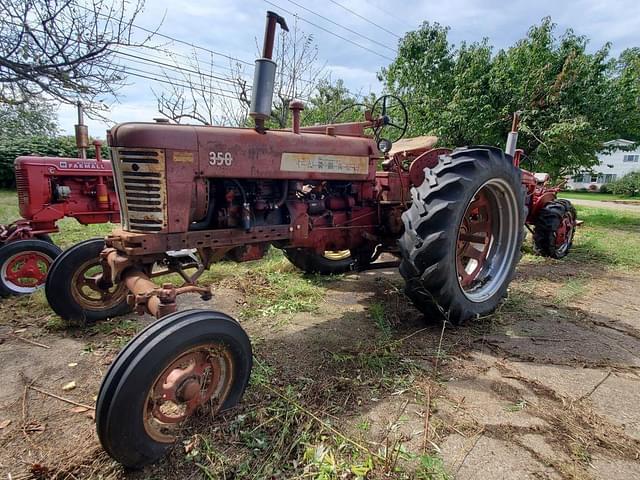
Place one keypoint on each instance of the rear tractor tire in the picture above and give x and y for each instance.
(24, 265)
(72, 291)
(554, 229)
(463, 234)
(330, 262)
(169, 370)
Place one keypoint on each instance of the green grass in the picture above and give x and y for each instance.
(602, 197)
(607, 237)
(71, 232)
(271, 286)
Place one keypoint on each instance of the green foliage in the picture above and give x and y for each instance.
(628, 186)
(36, 118)
(466, 95)
(333, 102)
(11, 148)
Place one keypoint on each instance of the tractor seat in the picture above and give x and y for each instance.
(541, 178)
(413, 146)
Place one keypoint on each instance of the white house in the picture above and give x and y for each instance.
(612, 166)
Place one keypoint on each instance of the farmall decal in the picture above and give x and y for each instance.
(93, 165)
(312, 162)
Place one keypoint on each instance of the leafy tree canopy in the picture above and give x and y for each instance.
(572, 101)
(35, 118)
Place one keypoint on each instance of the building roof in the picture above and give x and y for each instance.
(620, 142)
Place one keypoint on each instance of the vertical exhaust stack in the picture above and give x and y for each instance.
(512, 138)
(264, 75)
(82, 134)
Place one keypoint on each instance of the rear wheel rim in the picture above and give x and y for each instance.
(86, 292)
(564, 234)
(26, 271)
(191, 379)
(336, 255)
(487, 240)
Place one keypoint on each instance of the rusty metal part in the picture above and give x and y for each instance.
(147, 297)
(203, 374)
(428, 159)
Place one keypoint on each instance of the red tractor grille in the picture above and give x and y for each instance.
(142, 188)
(22, 184)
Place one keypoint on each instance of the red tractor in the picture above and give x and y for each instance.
(193, 195)
(49, 189)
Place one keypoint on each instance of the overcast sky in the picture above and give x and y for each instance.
(232, 27)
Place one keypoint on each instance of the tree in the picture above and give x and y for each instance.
(333, 102)
(204, 94)
(35, 118)
(572, 101)
(63, 49)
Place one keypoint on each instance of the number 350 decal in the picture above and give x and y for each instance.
(220, 158)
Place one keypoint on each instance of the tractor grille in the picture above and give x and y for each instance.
(22, 185)
(140, 176)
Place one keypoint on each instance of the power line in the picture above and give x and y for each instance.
(169, 37)
(198, 86)
(364, 18)
(343, 27)
(174, 67)
(392, 15)
(329, 31)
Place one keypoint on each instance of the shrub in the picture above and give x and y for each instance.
(10, 148)
(605, 188)
(629, 185)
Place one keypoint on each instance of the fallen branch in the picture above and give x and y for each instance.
(32, 342)
(596, 386)
(62, 399)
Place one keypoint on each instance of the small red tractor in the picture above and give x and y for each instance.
(193, 195)
(49, 189)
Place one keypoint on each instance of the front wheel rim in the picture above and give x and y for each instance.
(191, 379)
(25, 272)
(88, 295)
(487, 240)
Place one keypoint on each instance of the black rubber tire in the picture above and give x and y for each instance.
(309, 261)
(545, 226)
(21, 246)
(45, 237)
(428, 245)
(123, 393)
(59, 286)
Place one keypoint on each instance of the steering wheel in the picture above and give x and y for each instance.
(394, 117)
(335, 118)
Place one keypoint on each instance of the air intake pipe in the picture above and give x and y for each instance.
(264, 75)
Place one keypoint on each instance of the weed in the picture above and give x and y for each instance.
(378, 312)
(431, 467)
(364, 425)
(517, 407)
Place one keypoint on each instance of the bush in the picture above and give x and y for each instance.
(629, 185)
(10, 148)
(605, 188)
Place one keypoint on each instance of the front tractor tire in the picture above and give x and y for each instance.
(24, 265)
(71, 288)
(168, 371)
(554, 228)
(462, 235)
(328, 263)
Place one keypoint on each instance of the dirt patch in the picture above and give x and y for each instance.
(545, 388)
